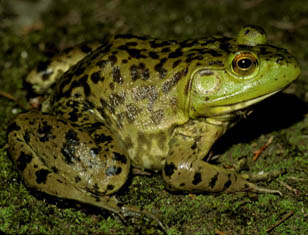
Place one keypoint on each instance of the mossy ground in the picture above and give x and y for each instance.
(31, 31)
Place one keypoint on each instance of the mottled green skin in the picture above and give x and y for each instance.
(159, 105)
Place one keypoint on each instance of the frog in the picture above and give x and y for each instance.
(137, 102)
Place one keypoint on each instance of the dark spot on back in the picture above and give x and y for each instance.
(41, 176)
(169, 84)
(85, 48)
(95, 77)
(213, 180)
(102, 138)
(158, 43)
(77, 179)
(74, 115)
(227, 184)
(44, 131)
(13, 127)
(80, 69)
(194, 146)
(169, 169)
(111, 85)
(84, 83)
(175, 54)
(113, 59)
(165, 50)
(119, 157)
(213, 52)
(159, 68)
(27, 136)
(94, 151)
(23, 160)
(70, 146)
(43, 65)
(133, 52)
(176, 63)
(110, 187)
(139, 71)
(189, 43)
(55, 169)
(153, 55)
(197, 178)
(101, 64)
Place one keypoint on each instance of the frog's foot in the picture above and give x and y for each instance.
(133, 211)
(263, 176)
(256, 189)
(267, 176)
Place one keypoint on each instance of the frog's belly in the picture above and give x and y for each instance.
(151, 157)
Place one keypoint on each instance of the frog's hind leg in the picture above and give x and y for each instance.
(56, 158)
(67, 162)
(37, 176)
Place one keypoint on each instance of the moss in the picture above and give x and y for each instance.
(65, 23)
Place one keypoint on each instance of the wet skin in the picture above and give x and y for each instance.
(151, 104)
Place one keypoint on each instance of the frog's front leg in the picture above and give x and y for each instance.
(185, 168)
(60, 159)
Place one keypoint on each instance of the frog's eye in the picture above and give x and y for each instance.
(244, 64)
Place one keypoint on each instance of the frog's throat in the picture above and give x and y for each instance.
(230, 108)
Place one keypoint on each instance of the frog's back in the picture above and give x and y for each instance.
(130, 77)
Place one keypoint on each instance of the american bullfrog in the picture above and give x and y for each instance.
(147, 103)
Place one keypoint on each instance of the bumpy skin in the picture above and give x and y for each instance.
(159, 105)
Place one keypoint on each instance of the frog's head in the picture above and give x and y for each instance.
(251, 71)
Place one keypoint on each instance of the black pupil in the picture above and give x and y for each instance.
(244, 63)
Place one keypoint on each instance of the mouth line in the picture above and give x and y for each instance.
(241, 105)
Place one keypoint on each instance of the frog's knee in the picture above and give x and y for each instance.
(112, 177)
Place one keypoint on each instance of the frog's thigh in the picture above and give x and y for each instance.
(184, 170)
(37, 175)
(65, 161)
